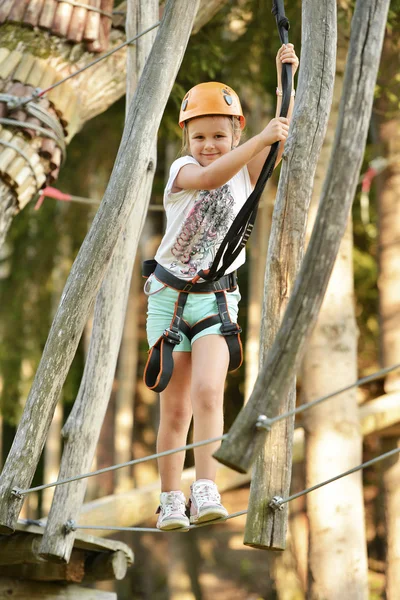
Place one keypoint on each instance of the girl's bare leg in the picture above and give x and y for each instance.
(210, 360)
(175, 417)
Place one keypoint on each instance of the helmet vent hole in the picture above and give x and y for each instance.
(227, 97)
(185, 103)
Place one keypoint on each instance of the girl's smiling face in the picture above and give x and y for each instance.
(210, 137)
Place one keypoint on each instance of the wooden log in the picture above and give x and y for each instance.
(36, 73)
(99, 44)
(302, 311)
(107, 6)
(5, 8)
(77, 24)
(14, 168)
(47, 15)
(10, 63)
(92, 26)
(69, 113)
(26, 196)
(34, 590)
(29, 182)
(48, 78)
(4, 52)
(18, 10)
(20, 548)
(106, 566)
(23, 69)
(47, 148)
(65, 98)
(33, 12)
(62, 19)
(273, 465)
(55, 160)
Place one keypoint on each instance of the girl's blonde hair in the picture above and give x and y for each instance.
(185, 149)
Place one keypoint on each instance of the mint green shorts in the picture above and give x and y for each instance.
(161, 306)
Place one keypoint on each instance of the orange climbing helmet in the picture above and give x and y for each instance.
(211, 98)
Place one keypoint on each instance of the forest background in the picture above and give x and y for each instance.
(238, 46)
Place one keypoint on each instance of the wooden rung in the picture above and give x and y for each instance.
(48, 78)
(8, 65)
(36, 73)
(18, 169)
(5, 9)
(62, 19)
(6, 135)
(91, 32)
(17, 11)
(27, 195)
(32, 13)
(47, 148)
(4, 52)
(29, 182)
(47, 14)
(24, 68)
(7, 155)
(77, 24)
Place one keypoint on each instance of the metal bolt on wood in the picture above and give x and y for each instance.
(69, 526)
(276, 503)
(16, 492)
(263, 422)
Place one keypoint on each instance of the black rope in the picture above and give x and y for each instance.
(242, 226)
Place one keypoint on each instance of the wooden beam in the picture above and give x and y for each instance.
(20, 548)
(73, 572)
(21, 590)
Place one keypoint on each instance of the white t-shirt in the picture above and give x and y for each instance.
(197, 222)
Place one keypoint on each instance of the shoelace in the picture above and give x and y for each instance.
(173, 504)
(207, 493)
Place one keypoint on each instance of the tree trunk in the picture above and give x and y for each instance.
(271, 474)
(132, 163)
(387, 134)
(333, 436)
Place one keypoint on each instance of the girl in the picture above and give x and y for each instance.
(205, 190)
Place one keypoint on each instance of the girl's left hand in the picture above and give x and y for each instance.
(286, 54)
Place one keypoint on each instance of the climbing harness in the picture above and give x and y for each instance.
(241, 228)
(160, 364)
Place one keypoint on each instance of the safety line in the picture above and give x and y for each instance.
(276, 503)
(72, 526)
(263, 422)
(308, 405)
(37, 95)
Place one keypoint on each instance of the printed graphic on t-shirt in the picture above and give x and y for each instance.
(203, 231)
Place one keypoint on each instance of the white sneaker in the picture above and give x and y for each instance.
(172, 512)
(205, 502)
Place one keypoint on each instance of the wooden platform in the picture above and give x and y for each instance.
(24, 574)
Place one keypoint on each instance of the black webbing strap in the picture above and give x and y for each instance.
(160, 364)
(241, 228)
